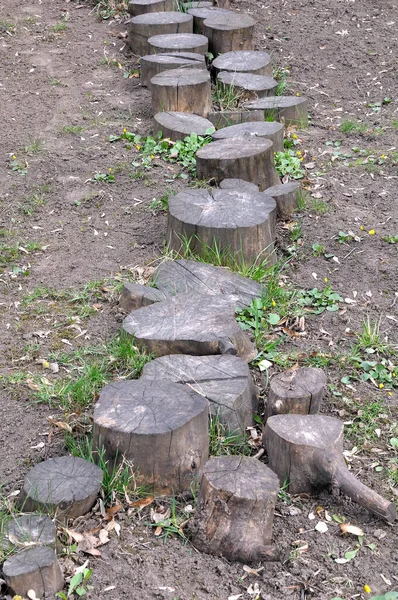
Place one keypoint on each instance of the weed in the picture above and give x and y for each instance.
(34, 147)
(160, 204)
(73, 129)
(318, 249)
(107, 9)
(20, 167)
(283, 494)
(227, 97)
(394, 123)
(173, 523)
(6, 26)
(78, 585)
(289, 163)
(60, 27)
(36, 200)
(353, 127)
(302, 200)
(319, 206)
(11, 254)
(317, 301)
(104, 177)
(56, 82)
(362, 426)
(296, 232)
(225, 442)
(370, 340)
(391, 239)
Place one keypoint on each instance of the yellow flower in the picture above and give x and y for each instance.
(325, 279)
(361, 227)
(138, 147)
(110, 169)
(273, 303)
(152, 156)
(17, 598)
(297, 94)
(367, 589)
(381, 385)
(298, 152)
(371, 232)
(14, 156)
(390, 393)
(124, 130)
(294, 136)
(383, 156)
(301, 157)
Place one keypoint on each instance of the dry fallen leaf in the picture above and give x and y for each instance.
(348, 528)
(142, 503)
(321, 527)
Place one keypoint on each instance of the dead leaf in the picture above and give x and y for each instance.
(142, 503)
(321, 527)
(158, 531)
(32, 385)
(60, 424)
(252, 571)
(75, 535)
(112, 510)
(348, 528)
(103, 537)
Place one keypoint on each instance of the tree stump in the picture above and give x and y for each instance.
(251, 159)
(181, 42)
(187, 324)
(235, 509)
(225, 382)
(201, 13)
(152, 64)
(35, 569)
(240, 224)
(184, 90)
(145, 26)
(229, 32)
(27, 530)
(178, 125)
(135, 296)
(140, 7)
(244, 61)
(297, 391)
(261, 129)
(252, 86)
(67, 486)
(197, 4)
(226, 118)
(286, 198)
(222, 3)
(161, 426)
(238, 184)
(306, 451)
(291, 109)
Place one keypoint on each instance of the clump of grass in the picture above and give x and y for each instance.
(370, 339)
(353, 127)
(227, 97)
(33, 147)
(107, 9)
(60, 27)
(73, 129)
(225, 442)
(11, 254)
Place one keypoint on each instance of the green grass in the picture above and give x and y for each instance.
(319, 206)
(225, 442)
(353, 127)
(59, 27)
(226, 97)
(33, 147)
(73, 129)
(370, 339)
(35, 200)
(11, 254)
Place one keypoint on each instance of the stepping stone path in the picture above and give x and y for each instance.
(180, 42)
(141, 7)
(229, 32)
(34, 569)
(286, 198)
(179, 125)
(262, 129)
(25, 530)
(145, 26)
(257, 63)
(135, 295)
(181, 89)
(298, 391)
(152, 64)
(201, 13)
(252, 86)
(291, 109)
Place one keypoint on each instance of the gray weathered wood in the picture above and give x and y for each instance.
(145, 26)
(238, 184)
(197, 4)
(298, 391)
(226, 118)
(292, 110)
(251, 159)
(235, 509)
(239, 224)
(244, 61)
(306, 451)
(24, 531)
(161, 426)
(190, 324)
(140, 7)
(182, 276)
(34, 569)
(67, 486)
(252, 86)
(182, 90)
(229, 32)
(181, 42)
(286, 198)
(135, 295)
(222, 3)
(201, 13)
(178, 125)
(225, 381)
(152, 64)
(262, 129)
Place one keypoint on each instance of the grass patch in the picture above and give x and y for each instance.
(73, 129)
(226, 97)
(11, 254)
(36, 200)
(289, 163)
(107, 9)
(353, 127)
(225, 442)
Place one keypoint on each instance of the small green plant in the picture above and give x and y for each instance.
(225, 442)
(173, 523)
(34, 147)
(19, 166)
(227, 97)
(296, 232)
(159, 204)
(391, 239)
(318, 301)
(289, 163)
(78, 585)
(60, 27)
(107, 9)
(105, 177)
(73, 129)
(370, 339)
(318, 249)
(6, 26)
(35, 200)
(353, 127)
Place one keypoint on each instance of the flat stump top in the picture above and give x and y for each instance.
(271, 102)
(317, 431)
(242, 60)
(228, 21)
(248, 81)
(29, 561)
(251, 129)
(234, 149)
(161, 18)
(178, 40)
(181, 77)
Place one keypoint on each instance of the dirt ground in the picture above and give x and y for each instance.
(63, 93)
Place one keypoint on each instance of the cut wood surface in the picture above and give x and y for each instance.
(226, 118)
(235, 509)
(298, 391)
(262, 129)
(229, 32)
(184, 276)
(140, 7)
(190, 324)
(158, 425)
(34, 569)
(251, 159)
(225, 381)
(291, 109)
(135, 295)
(238, 184)
(182, 90)
(145, 26)
(203, 12)
(253, 86)
(27, 530)
(181, 42)
(67, 486)
(286, 197)
(241, 224)
(244, 61)
(178, 125)
(152, 64)
(307, 451)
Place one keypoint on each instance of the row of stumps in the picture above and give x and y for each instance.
(186, 319)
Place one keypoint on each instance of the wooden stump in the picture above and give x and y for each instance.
(27, 530)
(189, 276)
(161, 426)
(307, 451)
(178, 125)
(67, 486)
(190, 324)
(182, 90)
(262, 129)
(152, 64)
(299, 392)
(235, 509)
(140, 7)
(181, 42)
(229, 32)
(292, 110)
(197, 4)
(286, 198)
(239, 224)
(255, 62)
(226, 118)
(145, 26)
(238, 184)
(35, 569)
(203, 12)
(222, 3)
(225, 381)
(135, 296)
(252, 86)
(242, 158)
